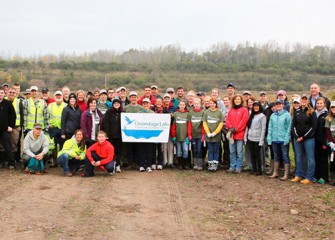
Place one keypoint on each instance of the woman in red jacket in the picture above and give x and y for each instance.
(236, 123)
(101, 155)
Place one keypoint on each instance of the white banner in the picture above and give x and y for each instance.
(145, 127)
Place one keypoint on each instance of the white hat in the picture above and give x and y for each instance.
(58, 93)
(133, 93)
(166, 95)
(34, 88)
(297, 99)
(120, 88)
(146, 100)
(103, 91)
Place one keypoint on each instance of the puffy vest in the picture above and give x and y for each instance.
(55, 112)
(35, 115)
(16, 104)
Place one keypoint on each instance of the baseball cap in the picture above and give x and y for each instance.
(279, 101)
(247, 92)
(58, 93)
(37, 125)
(166, 95)
(102, 91)
(34, 88)
(133, 93)
(262, 93)
(5, 84)
(154, 86)
(146, 100)
(332, 104)
(45, 90)
(27, 91)
(200, 94)
(281, 92)
(304, 96)
(120, 88)
(230, 85)
(169, 90)
(297, 99)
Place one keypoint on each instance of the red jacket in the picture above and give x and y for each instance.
(105, 150)
(152, 100)
(238, 118)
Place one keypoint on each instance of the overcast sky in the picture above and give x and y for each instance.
(53, 26)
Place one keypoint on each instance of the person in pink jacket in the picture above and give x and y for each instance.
(236, 123)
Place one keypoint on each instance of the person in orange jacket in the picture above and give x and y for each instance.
(101, 155)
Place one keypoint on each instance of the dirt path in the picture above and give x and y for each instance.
(162, 205)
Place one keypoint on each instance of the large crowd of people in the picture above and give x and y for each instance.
(235, 132)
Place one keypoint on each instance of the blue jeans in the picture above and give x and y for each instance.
(182, 149)
(236, 155)
(301, 148)
(69, 164)
(197, 148)
(280, 148)
(213, 151)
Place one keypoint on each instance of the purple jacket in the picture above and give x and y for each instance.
(86, 123)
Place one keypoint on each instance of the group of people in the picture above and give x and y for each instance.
(83, 130)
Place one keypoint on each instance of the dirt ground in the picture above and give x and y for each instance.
(168, 204)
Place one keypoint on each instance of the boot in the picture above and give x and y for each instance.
(287, 172)
(332, 176)
(275, 171)
(54, 159)
(200, 164)
(195, 163)
(270, 171)
(185, 164)
(180, 163)
(215, 165)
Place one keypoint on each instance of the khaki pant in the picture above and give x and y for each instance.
(15, 135)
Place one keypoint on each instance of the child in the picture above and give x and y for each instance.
(181, 133)
(100, 154)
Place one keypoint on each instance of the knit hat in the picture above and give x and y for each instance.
(116, 100)
(72, 95)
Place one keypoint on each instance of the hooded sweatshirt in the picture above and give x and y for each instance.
(32, 146)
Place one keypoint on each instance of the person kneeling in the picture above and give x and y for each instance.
(35, 150)
(101, 155)
(73, 153)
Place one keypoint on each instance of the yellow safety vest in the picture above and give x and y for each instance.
(55, 112)
(35, 115)
(16, 104)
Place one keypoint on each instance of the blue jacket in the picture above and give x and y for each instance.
(279, 127)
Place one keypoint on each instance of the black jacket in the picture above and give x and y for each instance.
(320, 95)
(7, 115)
(112, 123)
(70, 119)
(302, 125)
(321, 131)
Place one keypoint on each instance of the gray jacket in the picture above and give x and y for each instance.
(256, 132)
(32, 146)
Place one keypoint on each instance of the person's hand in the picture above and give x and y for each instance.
(93, 163)
(9, 129)
(300, 139)
(324, 147)
(174, 140)
(77, 157)
(39, 156)
(51, 126)
(97, 163)
(63, 136)
(232, 130)
(210, 135)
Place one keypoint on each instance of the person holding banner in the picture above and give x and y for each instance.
(213, 123)
(181, 130)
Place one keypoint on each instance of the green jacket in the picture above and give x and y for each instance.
(71, 148)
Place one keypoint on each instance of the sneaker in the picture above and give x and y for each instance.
(238, 171)
(230, 170)
(110, 173)
(296, 179)
(39, 173)
(306, 181)
(199, 168)
(68, 174)
(195, 167)
(321, 181)
(148, 169)
(159, 167)
(118, 169)
(142, 169)
(153, 167)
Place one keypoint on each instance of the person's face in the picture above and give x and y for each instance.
(296, 105)
(226, 101)
(238, 101)
(147, 92)
(182, 106)
(103, 97)
(33, 93)
(190, 98)
(122, 93)
(154, 91)
(320, 105)
(133, 99)
(197, 104)
(171, 94)
(93, 105)
(304, 102)
(230, 90)
(214, 94)
(96, 95)
(11, 94)
(116, 105)
(180, 92)
(281, 96)
(110, 94)
(246, 97)
(212, 105)
(101, 138)
(262, 98)
(2, 95)
(332, 109)
(27, 96)
(81, 96)
(66, 92)
(250, 102)
(315, 89)
(72, 101)
(159, 102)
(279, 106)
(59, 98)
(37, 131)
(167, 101)
(17, 90)
(79, 136)
(206, 102)
(146, 105)
(256, 108)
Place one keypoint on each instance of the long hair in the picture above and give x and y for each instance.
(253, 113)
(82, 143)
(233, 101)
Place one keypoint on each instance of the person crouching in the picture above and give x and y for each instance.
(101, 155)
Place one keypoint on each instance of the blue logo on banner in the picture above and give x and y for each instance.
(138, 134)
